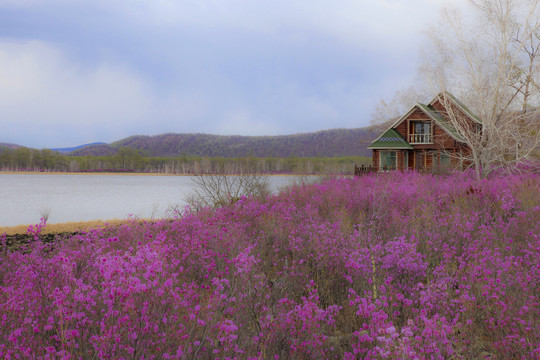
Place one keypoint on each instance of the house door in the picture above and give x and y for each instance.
(419, 160)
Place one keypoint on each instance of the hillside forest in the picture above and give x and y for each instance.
(129, 160)
(332, 151)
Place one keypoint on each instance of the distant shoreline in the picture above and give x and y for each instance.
(87, 173)
(130, 173)
(70, 226)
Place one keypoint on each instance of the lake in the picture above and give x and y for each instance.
(24, 198)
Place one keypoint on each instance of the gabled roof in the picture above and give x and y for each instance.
(432, 114)
(441, 122)
(459, 104)
(390, 139)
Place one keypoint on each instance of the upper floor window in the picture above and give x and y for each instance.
(420, 132)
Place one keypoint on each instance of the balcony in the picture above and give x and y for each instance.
(420, 139)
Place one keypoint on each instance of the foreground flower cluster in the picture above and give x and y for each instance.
(384, 266)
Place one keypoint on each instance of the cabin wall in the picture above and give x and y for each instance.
(400, 156)
(418, 115)
(459, 115)
(375, 154)
(429, 160)
(427, 156)
(441, 139)
(401, 159)
(402, 129)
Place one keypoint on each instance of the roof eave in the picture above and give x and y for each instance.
(398, 121)
(411, 110)
(439, 122)
(390, 148)
(453, 100)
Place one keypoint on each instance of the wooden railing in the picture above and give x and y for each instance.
(420, 139)
(363, 170)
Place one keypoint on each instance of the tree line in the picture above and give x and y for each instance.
(131, 160)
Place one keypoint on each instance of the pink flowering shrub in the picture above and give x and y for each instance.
(385, 266)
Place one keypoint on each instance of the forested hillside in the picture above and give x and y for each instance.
(331, 151)
(327, 143)
(71, 149)
(8, 145)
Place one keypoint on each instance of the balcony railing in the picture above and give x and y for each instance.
(420, 139)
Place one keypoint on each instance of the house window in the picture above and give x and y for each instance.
(420, 132)
(388, 160)
(444, 160)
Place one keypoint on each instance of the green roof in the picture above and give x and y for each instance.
(464, 108)
(441, 122)
(390, 139)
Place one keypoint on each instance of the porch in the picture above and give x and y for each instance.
(424, 160)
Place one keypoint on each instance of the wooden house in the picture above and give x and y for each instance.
(424, 139)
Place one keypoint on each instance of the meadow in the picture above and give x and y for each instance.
(386, 266)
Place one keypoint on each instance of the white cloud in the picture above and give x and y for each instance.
(359, 23)
(38, 81)
(365, 24)
(152, 66)
(241, 122)
(42, 92)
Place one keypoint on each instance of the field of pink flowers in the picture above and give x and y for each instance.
(395, 266)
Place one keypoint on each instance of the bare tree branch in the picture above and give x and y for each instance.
(493, 65)
(227, 187)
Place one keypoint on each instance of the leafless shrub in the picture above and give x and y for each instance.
(44, 213)
(218, 190)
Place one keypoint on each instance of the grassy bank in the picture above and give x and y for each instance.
(395, 266)
(62, 227)
(125, 173)
(88, 173)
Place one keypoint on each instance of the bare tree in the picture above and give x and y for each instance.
(491, 62)
(388, 111)
(227, 187)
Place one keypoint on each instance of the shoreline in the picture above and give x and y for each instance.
(135, 173)
(56, 228)
(86, 173)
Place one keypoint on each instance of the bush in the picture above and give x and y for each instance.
(384, 266)
(218, 190)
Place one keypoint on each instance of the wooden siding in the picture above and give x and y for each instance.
(426, 156)
(441, 139)
(401, 128)
(429, 160)
(376, 159)
(419, 115)
(461, 116)
(400, 159)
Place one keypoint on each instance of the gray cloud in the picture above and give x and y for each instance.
(77, 71)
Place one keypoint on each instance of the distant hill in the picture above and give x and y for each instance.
(326, 143)
(9, 145)
(70, 149)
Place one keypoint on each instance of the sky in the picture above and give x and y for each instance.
(80, 71)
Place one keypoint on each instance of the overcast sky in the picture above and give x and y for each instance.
(79, 71)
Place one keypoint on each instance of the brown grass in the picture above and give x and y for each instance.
(130, 174)
(62, 227)
(88, 173)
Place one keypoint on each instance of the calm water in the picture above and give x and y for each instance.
(25, 197)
